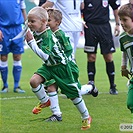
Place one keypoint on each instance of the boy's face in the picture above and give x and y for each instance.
(52, 23)
(127, 24)
(35, 23)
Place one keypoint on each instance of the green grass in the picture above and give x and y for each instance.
(108, 111)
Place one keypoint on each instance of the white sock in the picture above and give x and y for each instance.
(54, 103)
(86, 89)
(80, 104)
(40, 93)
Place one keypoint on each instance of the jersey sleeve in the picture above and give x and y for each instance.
(121, 45)
(22, 4)
(114, 4)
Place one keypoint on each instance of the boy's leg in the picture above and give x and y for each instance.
(130, 97)
(86, 119)
(4, 75)
(42, 96)
(53, 97)
(55, 108)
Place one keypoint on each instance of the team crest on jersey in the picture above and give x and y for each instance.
(105, 3)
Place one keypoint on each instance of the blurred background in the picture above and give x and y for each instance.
(32, 3)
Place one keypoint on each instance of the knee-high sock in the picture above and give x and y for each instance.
(85, 89)
(91, 71)
(80, 104)
(110, 69)
(40, 93)
(17, 69)
(4, 72)
(54, 103)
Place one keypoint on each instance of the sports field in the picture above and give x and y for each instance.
(107, 111)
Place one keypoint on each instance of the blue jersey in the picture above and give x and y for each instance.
(10, 12)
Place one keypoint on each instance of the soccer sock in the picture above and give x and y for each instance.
(110, 69)
(91, 70)
(40, 93)
(17, 69)
(54, 103)
(80, 104)
(4, 72)
(86, 89)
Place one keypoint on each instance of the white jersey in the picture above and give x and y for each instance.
(71, 14)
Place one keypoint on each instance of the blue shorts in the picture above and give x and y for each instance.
(15, 46)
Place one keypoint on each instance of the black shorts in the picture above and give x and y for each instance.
(98, 34)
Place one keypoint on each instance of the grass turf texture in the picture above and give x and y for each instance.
(107, 111)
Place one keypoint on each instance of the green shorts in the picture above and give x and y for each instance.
(75, 72)
(130, 96)
(63, 77)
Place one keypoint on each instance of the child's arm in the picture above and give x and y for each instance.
(124, 71)
(32, 43)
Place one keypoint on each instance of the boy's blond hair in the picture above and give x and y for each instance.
(126, 10)
(39, 12)
(55, 13)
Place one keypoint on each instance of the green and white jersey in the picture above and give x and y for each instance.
(49, 44)
(64, 41)
(126, 45)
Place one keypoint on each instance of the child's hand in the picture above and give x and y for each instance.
(125, 72)
(29, 36)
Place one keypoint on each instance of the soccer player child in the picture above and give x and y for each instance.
(55, 17)
(55, 65)
(126, 43)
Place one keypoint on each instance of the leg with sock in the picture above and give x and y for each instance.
(86, 118)
(42, 96)
(4, 75)
(89, 89)
(110, 69)
(91, 71)
(54, 107)
(17, 69)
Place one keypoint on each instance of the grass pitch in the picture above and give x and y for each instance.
(107, 111)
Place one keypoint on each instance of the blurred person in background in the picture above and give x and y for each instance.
(12, 16)
(98, 31)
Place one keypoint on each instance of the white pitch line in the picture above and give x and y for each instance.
(30, 97)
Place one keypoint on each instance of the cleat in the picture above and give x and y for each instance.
(18, 90)
(54, 118)
(39, 107)
(94, 91)
(113, 90)
(4, 90)
(86, 123)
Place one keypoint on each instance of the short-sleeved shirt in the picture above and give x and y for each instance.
(71, 14)
(126, 45)
(10, 12)
(97, 11)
